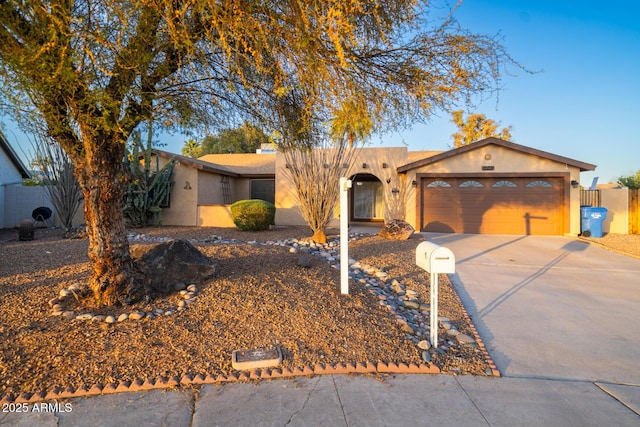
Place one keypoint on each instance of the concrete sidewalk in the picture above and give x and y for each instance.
(338, 400)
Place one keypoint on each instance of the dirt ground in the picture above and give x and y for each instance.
(259, 298)
(627, 244)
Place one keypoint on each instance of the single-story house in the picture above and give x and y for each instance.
(205, 188)
(12, 172)
(491, 186)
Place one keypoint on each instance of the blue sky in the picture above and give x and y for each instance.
(584, 102)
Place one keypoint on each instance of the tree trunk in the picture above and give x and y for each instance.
(103, 182)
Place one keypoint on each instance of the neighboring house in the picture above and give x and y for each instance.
(491, 186)
(12, 172)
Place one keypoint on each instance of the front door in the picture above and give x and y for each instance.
(367, 199)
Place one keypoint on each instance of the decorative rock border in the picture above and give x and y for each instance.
(372, 280)
(57, 307)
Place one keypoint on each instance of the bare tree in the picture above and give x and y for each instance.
(314, 175)
(60, 182)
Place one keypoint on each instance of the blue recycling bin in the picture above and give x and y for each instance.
(591, 220)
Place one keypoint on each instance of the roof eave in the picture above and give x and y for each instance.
(194, 163)
(583, 166)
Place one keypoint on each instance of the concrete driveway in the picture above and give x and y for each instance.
(551, 307)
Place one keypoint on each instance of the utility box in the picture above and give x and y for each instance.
(435, 259)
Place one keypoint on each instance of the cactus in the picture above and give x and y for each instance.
(146, 189)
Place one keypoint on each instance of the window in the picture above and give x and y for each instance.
(368, 200)
(504, 183)
(539, 183)
(264, 189)
(471, 184)
(434, 184)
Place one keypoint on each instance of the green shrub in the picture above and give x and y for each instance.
(253, 215)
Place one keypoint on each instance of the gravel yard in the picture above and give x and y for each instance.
(260, 297)
(627, 244)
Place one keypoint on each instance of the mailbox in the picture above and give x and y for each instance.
(435, 259)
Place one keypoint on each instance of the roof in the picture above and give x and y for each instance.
(234, 165)
(244, 164)
(4, 145)
(414, 156)
(195, 163)
(495, 141)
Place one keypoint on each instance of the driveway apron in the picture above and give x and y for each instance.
(551, 307)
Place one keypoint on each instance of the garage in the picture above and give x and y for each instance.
(480, 204)
(494, 186)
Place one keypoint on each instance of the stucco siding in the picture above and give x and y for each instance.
(210, 189)
(183, 208)
(241, 189)
(493, 159)
(379, 162)
(9, 174)
(215, 216)
(616, 200)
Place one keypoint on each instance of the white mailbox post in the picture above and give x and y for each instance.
(345, 185)
(435, 260)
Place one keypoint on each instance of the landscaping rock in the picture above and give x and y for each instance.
(396, 229)
(412, 304)
(424, 345)
(466, 340)
(303, 261)
(136, 315)
(164, 265)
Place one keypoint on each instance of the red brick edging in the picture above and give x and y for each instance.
(257, 374)
(175, 381)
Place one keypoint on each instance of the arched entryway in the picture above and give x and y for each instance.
(367, 198)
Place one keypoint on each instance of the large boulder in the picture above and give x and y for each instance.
(165, 267)
(396, 229)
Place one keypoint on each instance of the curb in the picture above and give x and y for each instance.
(243, 376)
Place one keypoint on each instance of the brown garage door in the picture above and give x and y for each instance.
(493, 205)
